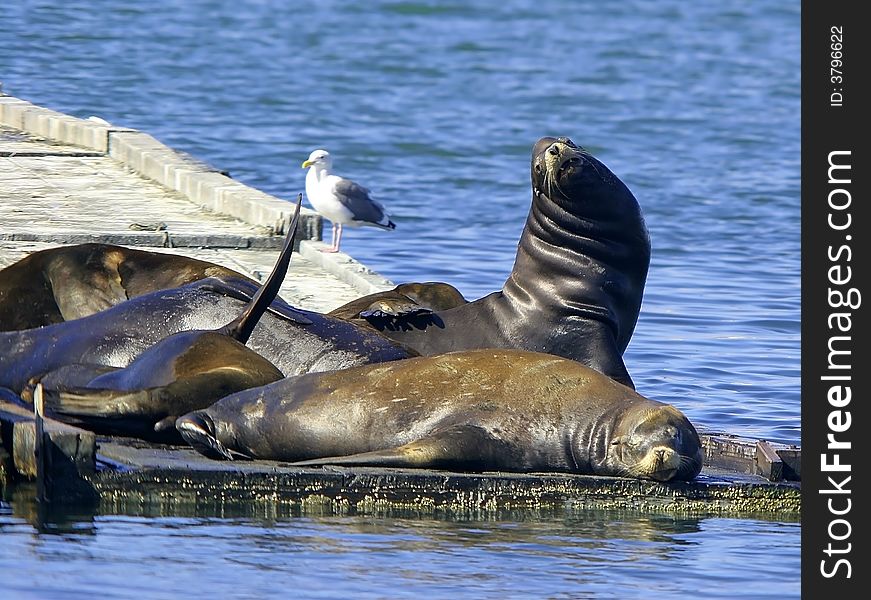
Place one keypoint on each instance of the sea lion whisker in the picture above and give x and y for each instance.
(552, 182)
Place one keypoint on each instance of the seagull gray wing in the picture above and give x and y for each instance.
(355, 198)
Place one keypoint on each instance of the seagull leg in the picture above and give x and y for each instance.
(338, 238)
(333, 247)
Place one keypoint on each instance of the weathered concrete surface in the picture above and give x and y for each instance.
(65, 180)
(54, 194)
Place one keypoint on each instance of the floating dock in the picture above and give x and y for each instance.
(65, 180)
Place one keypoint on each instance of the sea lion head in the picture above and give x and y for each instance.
(567, 175)
(554, 161)
(585, 248)
(655, 441)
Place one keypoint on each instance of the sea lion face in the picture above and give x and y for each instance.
(566, 175)
(559, 167)
(657, 443)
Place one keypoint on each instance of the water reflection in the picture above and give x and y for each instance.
(19, 502)
(395, 553)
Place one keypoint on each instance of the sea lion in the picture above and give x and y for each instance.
(296, 341)
(477, 410)
(577, 282)
(84, 351)
(70, 282)
(180, 373)
(402, 301)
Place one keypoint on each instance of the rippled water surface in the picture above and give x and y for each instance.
(435, 106)
(527, 554)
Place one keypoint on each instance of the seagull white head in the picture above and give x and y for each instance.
(319, 157)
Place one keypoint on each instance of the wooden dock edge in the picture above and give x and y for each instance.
(141, 477)
(368, 490)
(59, 457)
(775, 462)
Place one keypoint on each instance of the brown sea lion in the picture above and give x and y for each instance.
(70, 282)
(182, 372)
(477, 410)
(578, 279)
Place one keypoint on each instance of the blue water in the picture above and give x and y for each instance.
(435, 106)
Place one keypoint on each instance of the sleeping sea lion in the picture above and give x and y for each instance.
(70, 282)
(476, 410)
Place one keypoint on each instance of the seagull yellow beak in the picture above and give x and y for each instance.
(307, 164)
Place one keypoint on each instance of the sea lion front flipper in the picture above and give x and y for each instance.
(393, 307)
(460, 447)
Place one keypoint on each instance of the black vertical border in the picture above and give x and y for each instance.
(828, 128)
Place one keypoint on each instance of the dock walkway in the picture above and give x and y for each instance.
(69, 181)
(65, 180)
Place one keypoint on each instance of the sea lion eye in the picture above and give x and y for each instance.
(538, 168)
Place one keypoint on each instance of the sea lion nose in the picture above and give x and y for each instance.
(554, 149)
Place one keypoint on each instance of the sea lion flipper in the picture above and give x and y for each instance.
(467, 447)
(198, 430)
(81, 403)
(241, 328)
(165, 423)
(393, 307)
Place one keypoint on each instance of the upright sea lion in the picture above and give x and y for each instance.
(476, 410)
(578, 279)
(180, 373)
(70, 282)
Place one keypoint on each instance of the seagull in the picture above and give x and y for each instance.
(340, 200)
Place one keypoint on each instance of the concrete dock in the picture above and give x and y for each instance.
(69, 181)
(65, 180)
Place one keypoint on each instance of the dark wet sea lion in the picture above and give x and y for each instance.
(70, 282)
(180, 373)
(295, 341)
(404, 300)
(578, 279)
(89, 350)
(478, 410)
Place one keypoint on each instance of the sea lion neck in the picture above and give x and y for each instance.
(585, 256)
(590, 443)
(563, 264)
